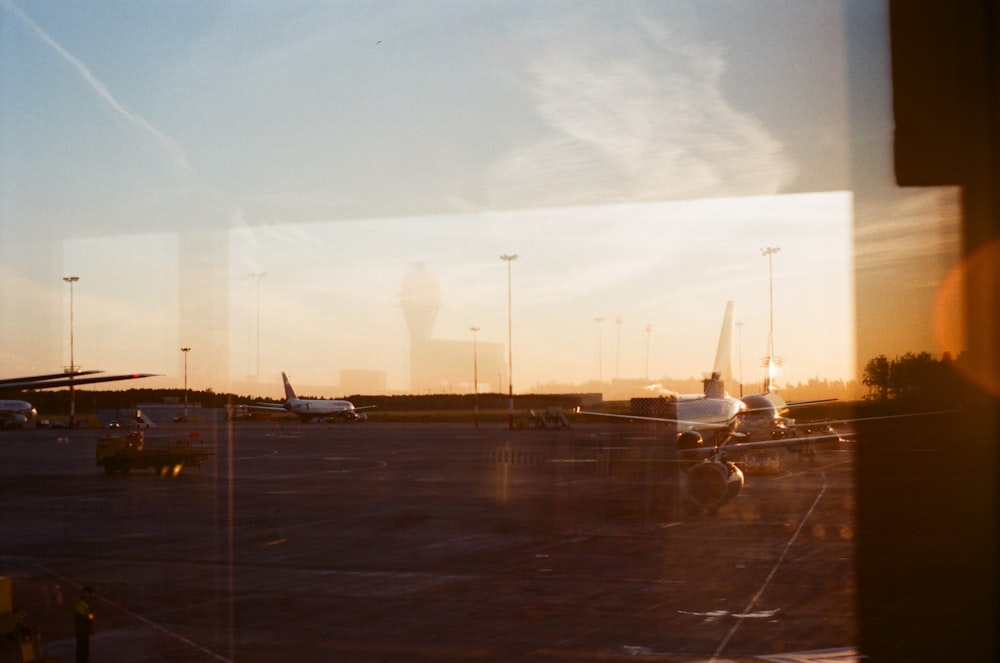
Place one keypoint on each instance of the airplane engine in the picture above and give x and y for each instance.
(16, 421)
(712, 483)
(689, 440)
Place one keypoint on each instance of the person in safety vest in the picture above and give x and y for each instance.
(83, 624)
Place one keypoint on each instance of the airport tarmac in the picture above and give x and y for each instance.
(426, 542)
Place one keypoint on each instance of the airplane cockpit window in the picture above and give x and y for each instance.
(491, 330)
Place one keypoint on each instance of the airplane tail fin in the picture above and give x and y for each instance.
(722, 370)
(289, 392)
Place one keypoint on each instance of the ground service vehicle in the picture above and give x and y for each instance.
(121, 453)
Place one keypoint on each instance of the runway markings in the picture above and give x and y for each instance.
(838, 655)
(774, 570)
(713, 615)
(144, 620)
(813, 470)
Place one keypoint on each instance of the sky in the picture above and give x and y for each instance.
(637, 158)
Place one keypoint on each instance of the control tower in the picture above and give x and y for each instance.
(440, 365)
(420, 299)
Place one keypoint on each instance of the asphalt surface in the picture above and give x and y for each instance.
(426, 542)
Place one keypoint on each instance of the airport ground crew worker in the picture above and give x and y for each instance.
(83, 624)
(27, 637)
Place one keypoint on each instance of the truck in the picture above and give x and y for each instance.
(118, 454)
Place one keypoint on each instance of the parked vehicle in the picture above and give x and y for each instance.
(122, 453)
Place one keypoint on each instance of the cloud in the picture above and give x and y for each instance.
(913, 232)
(636, 114)
(172, 147)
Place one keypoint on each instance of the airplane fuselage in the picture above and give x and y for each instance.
(709, 410)
(761, 418)
(15, 413)
(308, 409)
(318, 408)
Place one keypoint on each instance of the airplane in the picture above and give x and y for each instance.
(308, 409)
(16, 413)
(735, 427)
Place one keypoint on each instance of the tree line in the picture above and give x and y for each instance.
(913, 377)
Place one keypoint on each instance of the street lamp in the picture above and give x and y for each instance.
(649, 330)
(739, 326)
(618, 343)
(600, 350)
(475, 375)
(510, 352)
(185, 351)
(770, 361)
(258, 275)
(72, 359)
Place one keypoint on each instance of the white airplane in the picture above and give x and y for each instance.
(713, 412)
(735, 426)
(16, 413)
(308, 409)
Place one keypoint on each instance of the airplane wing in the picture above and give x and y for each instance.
(54, 380)
(8, 382)
(277, 407)
(734, 449)
(832, 422)
(734, 446)
(274, 407)
(679, 422)
(818, 401)
(786, 406)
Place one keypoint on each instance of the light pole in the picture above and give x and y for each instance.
(770, 360)
(72, 359)
(257, 276)
(649, 330)
(600, 349)
(739, 326)
(475, 375)
(509, 258)
(185, 351)
(618, 344)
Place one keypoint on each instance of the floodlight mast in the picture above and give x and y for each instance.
(509, 258)
(600, 349)
(770, 360)
(739, 327)
(618, 343)
(72, 359)
(649, 330)
(257, 276)
(475, 375)
(185, 350)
